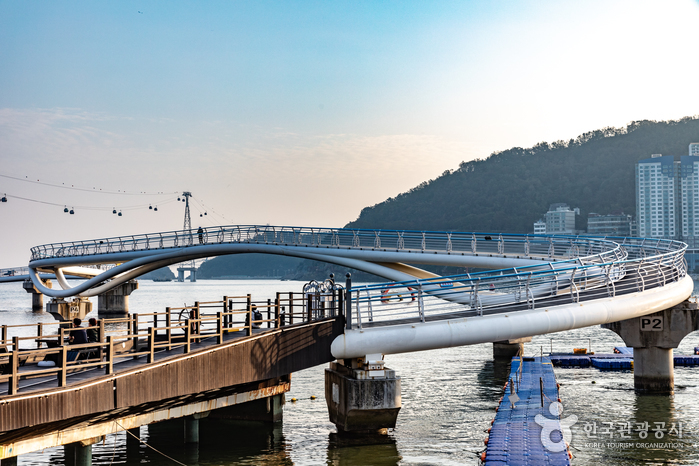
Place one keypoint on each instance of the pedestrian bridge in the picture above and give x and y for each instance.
(540, 283)
(185, 363)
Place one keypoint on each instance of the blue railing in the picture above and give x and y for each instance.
(645, 264)
(526, 246)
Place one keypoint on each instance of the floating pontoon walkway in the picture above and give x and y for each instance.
(621, 359)
(516, 434)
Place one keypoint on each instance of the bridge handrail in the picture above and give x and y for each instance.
(644, 266)
(527, 245)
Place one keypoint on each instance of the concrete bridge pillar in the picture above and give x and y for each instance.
(364, 397)
(191, 427)
(509, 348)
(80, 453)
(653, 338)
(116, 301)
(37, 297)
(66, 311)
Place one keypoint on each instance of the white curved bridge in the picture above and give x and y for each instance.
(543, 283)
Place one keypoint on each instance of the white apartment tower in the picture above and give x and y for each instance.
(667, 196)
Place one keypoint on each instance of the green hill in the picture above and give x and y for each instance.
(510, 190)
(248, 265)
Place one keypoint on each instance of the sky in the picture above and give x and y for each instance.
(300, 112)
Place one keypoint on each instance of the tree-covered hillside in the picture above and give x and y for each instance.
(248, 265)
(510, 190)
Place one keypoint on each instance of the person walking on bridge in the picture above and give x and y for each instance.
(200, 232)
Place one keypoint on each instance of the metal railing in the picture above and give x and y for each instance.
(646, 264)
(143, 335)
(540, 247)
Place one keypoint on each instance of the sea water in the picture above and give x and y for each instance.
(449, 398)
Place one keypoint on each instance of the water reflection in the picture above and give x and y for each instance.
(492, 377)
(350, 450)
(220, 442)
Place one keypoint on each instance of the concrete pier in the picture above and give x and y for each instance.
(653, 338)
(115, 302)
(191, 429)
(509, 348)
(80, 453)
(363, 399)
(192, 273)
(37, 297)
(66, 311)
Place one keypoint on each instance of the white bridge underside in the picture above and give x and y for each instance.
(405, 338)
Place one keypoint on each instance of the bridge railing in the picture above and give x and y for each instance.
(654, 264)
(141, 336)
(536, 246)
(13, 271)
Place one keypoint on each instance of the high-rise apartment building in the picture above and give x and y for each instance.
(667, 196)
(656, 180)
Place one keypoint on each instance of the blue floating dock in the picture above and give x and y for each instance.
(612, 363)
(515, 437)
(621, 359)
(686, 360)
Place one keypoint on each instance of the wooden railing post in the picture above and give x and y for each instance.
(14, 361)
(168, 323)
(186, 335)
(39, 334)
(291, 308)
(248, 327)
(101, 337)
(134, 332)
(4, 333)
(110, 355)
(225, 308)
(151, 344)
(155, 323)
(219, 327)
(197, 323)
(269, 313)
(276, 311)
(64, 366)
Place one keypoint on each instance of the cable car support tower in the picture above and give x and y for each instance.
(187, 266)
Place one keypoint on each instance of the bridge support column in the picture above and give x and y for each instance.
(653, 338)
(116, 300)
(509, 348)
(66, 311)
(191, 427)
(80, 453)
(37, 297)
(364, 398)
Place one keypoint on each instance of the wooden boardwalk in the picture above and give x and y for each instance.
(213, 371)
